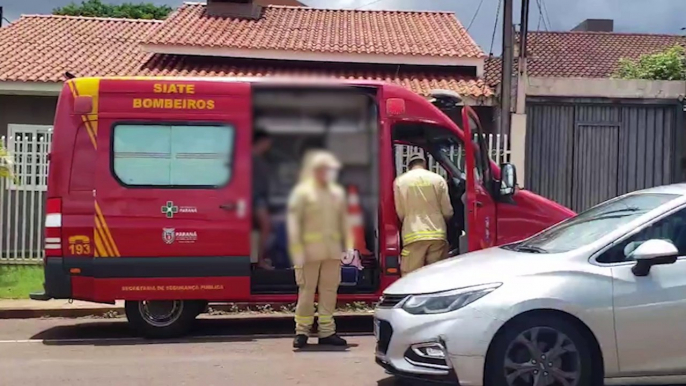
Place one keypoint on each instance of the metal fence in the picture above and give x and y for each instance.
(498, 148)
(22, 198)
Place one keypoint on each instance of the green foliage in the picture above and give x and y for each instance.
(18, 281)
(667, 65)
(96, 8)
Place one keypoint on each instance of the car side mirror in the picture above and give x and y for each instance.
(508, 179)
(653, 252)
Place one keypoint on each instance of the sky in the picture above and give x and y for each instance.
(655, 16)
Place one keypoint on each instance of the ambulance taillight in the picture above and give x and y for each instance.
(53, 228)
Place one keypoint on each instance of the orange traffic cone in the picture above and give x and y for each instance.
(356, 221)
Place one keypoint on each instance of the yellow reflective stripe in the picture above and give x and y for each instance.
(325, 318)
(295, 248)
(313, 237)
(422, 234)
(404, 252)
(304, 319)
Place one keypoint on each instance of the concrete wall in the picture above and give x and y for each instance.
(605, 88)
(584, 88)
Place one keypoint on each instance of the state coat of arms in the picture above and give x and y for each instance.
(168, 235)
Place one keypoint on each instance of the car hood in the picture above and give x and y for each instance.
(493, 265)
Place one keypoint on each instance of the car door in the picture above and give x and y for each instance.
(480, 206)
(173, 191)
(650, 311)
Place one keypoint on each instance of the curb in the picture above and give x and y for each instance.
(225, 310)
(27, 313)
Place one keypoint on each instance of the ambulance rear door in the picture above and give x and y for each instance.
(173, 186)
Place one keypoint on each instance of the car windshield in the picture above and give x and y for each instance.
(592, 224)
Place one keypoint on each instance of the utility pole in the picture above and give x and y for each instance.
(1, 16)
(506, 80)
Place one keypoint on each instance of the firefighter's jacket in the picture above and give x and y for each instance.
(318, 227)
(423, 205)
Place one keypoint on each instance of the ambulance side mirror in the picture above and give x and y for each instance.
(508, 179)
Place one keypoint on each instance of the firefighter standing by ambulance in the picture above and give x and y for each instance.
(318, 235)
(423, 206)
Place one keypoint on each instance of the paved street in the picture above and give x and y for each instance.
(104, 352)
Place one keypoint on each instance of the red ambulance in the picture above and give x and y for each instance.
(149, 187)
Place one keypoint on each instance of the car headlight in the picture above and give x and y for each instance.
(441, 302)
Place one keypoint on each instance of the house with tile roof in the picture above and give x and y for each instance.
(579, 136)
(419, 50)
(229, 38)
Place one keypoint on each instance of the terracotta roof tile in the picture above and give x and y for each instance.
(584, 54)
(43, 48)
(322, 30)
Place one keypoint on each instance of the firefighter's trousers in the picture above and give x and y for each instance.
(321, 277)
(421, 253)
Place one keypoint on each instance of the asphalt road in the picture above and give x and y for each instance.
(220, 352)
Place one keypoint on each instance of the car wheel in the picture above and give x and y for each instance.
(161, 318)
(541, 351)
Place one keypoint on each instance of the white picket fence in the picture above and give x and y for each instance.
(22, 199)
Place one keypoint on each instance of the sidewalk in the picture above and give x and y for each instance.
(26, 309)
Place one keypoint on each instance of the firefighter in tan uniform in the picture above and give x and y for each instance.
(318, 235)
(423, 206)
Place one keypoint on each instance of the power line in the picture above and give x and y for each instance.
(495, 27)
(540, 16)
(547, 15)
(478, 8)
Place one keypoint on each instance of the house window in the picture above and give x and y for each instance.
(173, 156)
(29, 145)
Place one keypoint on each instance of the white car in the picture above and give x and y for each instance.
(598, 297)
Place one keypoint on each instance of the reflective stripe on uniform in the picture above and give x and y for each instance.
(312, 237)
(325, 318)
(404, 252)
(295, 249)
(304, 319)
(423, 235)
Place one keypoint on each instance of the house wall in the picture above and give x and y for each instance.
(582, 88)
(21, 207)
(605, 88)
(24, 109)
(582, 151)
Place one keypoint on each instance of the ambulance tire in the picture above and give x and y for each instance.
(162, 319)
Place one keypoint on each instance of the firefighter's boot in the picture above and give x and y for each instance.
(333, 340)
(300, 341)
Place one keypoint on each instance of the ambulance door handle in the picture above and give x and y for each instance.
(239, 207)
(231, 206)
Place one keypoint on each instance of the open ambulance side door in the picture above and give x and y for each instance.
(480, 206)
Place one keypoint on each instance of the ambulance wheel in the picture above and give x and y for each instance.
(161, 318)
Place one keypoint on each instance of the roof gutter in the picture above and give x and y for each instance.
(30, 88)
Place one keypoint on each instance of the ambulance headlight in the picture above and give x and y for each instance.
(441, 302)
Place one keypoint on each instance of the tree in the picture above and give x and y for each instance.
(667, 65)
(6, 163)
(97, 8)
